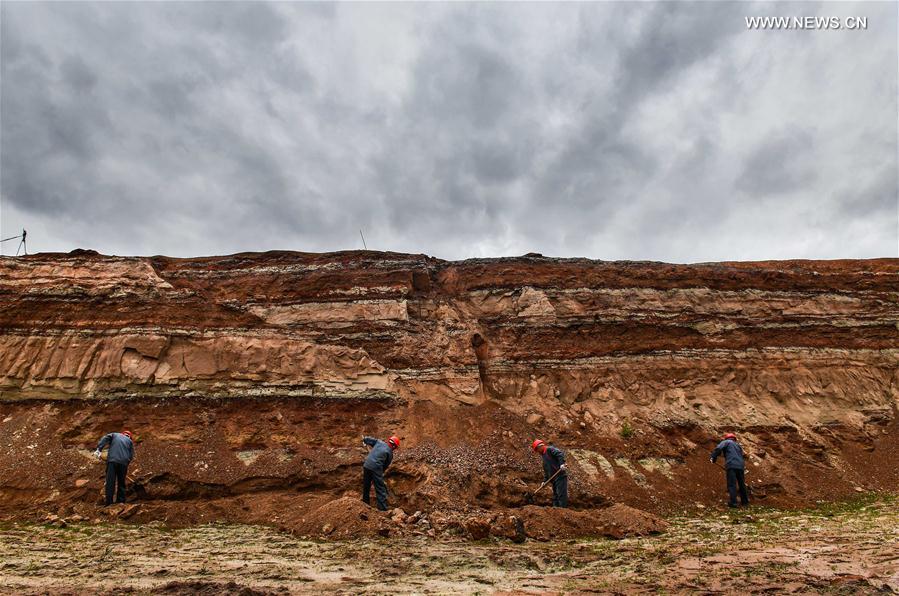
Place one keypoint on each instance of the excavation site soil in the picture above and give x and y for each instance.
(250, 380)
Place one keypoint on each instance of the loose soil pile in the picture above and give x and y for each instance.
(342, 518)
(348, 517)
(616, 521)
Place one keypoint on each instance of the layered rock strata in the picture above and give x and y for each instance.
(606, 356)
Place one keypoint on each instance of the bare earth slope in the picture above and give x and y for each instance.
(251, 378)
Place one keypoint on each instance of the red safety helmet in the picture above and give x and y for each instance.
(537, 444)
(730, 436)
(127, 433)
(394, 442)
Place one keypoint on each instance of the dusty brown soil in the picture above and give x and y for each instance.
(255, 461)
(616, 521)
(348, 518)
(851, 548)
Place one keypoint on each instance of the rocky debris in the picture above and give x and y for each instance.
(508, 526)
(477, 528)
(465, 459)
(54, 520)
(121, 510)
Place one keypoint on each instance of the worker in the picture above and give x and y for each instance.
(121, 452)
(555, 470)
(734, 468)
(375, 465)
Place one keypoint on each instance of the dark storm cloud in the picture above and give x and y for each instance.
(667, 43)
(779, 164)
(614, 130)
(602, 168)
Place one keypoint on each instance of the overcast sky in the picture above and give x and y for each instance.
(652, 130)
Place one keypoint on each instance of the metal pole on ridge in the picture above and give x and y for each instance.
(22, 243)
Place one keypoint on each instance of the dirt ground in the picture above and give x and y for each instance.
(846, 548)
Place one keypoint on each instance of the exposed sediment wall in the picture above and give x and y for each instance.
(797, 352)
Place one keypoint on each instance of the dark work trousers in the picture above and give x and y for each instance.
(115, 474)
(560, 490)
(736, 477)
(369, 477)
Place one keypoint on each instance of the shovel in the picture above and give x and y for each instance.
(545, 482)
(390, 491)
(529, 496)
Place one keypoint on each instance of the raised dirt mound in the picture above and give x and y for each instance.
(547, 523)
(346, 517)
(616, 521)
(624, 521)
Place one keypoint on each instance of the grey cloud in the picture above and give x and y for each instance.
(77, 75)
(780, 164)
(498, 162)
(874, 200)
(602, 169)
(612, 130)
(672, 38)
(462, 82)
(242, 22)
(172, 98)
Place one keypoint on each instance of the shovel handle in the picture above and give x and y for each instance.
(545, 482)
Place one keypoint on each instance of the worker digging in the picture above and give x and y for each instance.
(734, 468)
(120, 454)
(554, 471)
(377, 462)
(381, 454)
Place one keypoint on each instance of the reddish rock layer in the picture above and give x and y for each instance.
(465, 359)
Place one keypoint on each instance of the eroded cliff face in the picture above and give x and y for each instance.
(269, 366)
